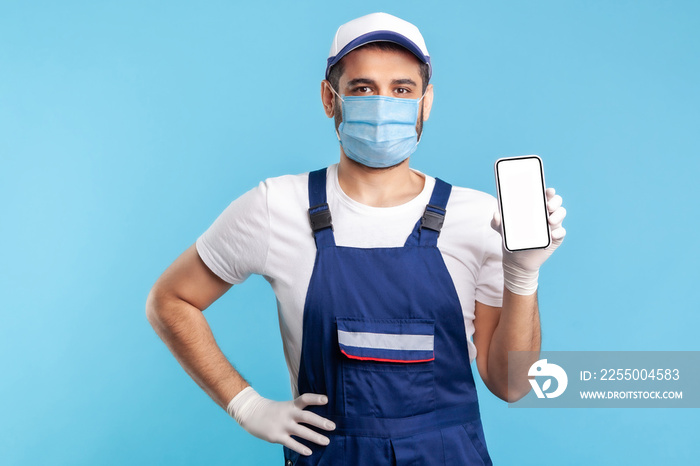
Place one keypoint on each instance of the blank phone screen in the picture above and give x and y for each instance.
(523, 204)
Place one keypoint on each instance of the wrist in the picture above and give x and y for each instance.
(242, 403)
(519, 280)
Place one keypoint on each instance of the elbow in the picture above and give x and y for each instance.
(508, 396)
(515, 394)
(153, 305)
(164, 310)
(510, 393)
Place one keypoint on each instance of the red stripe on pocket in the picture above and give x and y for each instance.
(386, 360)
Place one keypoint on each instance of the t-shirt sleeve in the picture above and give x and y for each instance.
(489, 284)
(236, 244)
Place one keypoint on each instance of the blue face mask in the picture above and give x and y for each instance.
(378, 131)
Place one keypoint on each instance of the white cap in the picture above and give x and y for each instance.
(377, 27)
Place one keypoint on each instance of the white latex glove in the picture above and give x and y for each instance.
(521, 268)
(277, 421)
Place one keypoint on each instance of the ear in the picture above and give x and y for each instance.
(327, 98)
(427, 102)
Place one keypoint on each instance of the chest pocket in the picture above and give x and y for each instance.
(387, 366)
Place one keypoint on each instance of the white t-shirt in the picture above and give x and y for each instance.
(266, 231)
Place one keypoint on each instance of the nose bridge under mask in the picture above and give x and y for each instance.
(380, 110)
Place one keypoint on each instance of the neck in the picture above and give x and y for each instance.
(378, 187)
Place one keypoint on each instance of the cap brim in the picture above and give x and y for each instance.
(379, 36)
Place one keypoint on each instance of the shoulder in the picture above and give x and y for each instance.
(478, 201)
(285, 189)
(287, 201)
(288, 181)
(269, 197)
(469, 215)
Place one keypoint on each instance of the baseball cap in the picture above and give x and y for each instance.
(377, 27)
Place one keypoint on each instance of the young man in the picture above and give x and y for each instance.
(382, 275)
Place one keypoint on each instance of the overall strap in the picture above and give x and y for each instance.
(319, 213)
(428, 228)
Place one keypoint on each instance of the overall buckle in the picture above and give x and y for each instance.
(433, 218)
(320, 217)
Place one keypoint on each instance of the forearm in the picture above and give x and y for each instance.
(519, 326)
(518, 329)
(184, 329)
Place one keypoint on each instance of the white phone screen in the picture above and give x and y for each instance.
(522, 203)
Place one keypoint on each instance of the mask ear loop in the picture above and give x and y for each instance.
(333, 91)
(421, 108)
(341, 99)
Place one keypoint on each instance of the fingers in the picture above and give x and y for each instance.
(557, 217)
(305, 433)
(307, 417)
(558, 234)
(292, 444)
(557, 213)
(553, 203)
(307, 399)
(313, 419)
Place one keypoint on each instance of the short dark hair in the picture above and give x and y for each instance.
(337, 70)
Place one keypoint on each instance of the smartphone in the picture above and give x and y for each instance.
(522, 203)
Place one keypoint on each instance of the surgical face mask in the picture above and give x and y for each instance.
(378, 131)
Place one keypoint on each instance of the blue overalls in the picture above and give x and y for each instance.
(384, 339)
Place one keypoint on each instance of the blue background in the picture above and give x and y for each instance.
(127, 127)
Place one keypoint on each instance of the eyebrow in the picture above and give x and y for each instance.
(404, 81)
(355, 82)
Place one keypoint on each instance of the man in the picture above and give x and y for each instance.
(381, 273)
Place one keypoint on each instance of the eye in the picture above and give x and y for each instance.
(403, 91)
(362, 90)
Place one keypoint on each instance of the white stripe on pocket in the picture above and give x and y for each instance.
(386, 341)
